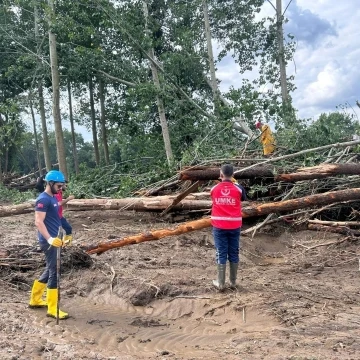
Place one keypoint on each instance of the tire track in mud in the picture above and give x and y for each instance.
(186, 327)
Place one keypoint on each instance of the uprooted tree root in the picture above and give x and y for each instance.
(23, 258)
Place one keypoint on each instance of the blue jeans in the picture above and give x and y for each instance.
(49, 276)
(66, 226)
(227, 244)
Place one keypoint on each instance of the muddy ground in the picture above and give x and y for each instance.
(154, 300)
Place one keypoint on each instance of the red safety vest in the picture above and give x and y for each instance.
(226, 206)
(59, 197)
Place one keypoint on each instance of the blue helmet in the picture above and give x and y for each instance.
(55, 175)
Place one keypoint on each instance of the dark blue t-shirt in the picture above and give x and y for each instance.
(243, 192)
(49, 205)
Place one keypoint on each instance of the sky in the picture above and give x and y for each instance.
(326, 62)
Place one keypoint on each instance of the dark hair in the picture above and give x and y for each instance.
(227, 170)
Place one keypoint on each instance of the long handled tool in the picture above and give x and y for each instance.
(58, 270)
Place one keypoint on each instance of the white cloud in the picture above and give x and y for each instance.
(326, 87)
(325, 63)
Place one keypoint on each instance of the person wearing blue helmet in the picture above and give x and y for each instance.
(48, 222)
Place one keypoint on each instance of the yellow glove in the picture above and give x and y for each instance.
(233, 180)
(56, 242)
(67, 240)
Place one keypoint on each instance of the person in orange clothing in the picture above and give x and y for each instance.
(267, 138)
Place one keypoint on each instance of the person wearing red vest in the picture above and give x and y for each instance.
(64, 223)
(226, 220)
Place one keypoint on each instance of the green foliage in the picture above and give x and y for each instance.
(112, 181)
(15, 196)
(327, 129)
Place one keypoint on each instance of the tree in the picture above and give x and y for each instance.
(73, 139)
(155, 76)
(56, 93)
(103, 121)
(40, 88)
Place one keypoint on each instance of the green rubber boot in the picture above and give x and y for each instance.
(220, 282)
(233, 274)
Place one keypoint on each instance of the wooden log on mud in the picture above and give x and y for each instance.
(307, 173)
(157, 203)
(250, 211)
(334, 229)
(335, 223)
(10, 210)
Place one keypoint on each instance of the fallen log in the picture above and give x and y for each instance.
(181, 196)
(22, 187)
(10, 210)
(250, 211)
(335, 223)
(319, 172)
(213, 173)
(334, 229)
(307, 173)
(157, 203)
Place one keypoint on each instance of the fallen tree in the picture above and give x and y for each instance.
(250, 211)
(10, 210)
(213, 173)
(307, 173)
(334, 229)
(158, 203)
(319, 172)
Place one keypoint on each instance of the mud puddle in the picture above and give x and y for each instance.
(187, 327)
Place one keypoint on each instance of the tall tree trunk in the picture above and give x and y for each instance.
(93, 122)
(281, 55)
(1, 151)
(44, 128)
(36, 138)
(59, 136)
(73, 139)
(6, 147)
(159, 100)
(239, 124)
(103, 121)
(41, 95)
(6, 158)
(214, 86)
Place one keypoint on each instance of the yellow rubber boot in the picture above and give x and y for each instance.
(67, 240)
(37, 291)
(52, 299)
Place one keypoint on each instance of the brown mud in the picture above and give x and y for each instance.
(154, 300)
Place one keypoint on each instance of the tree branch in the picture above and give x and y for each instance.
(271, 4)
(287, 7)
(125, 82)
